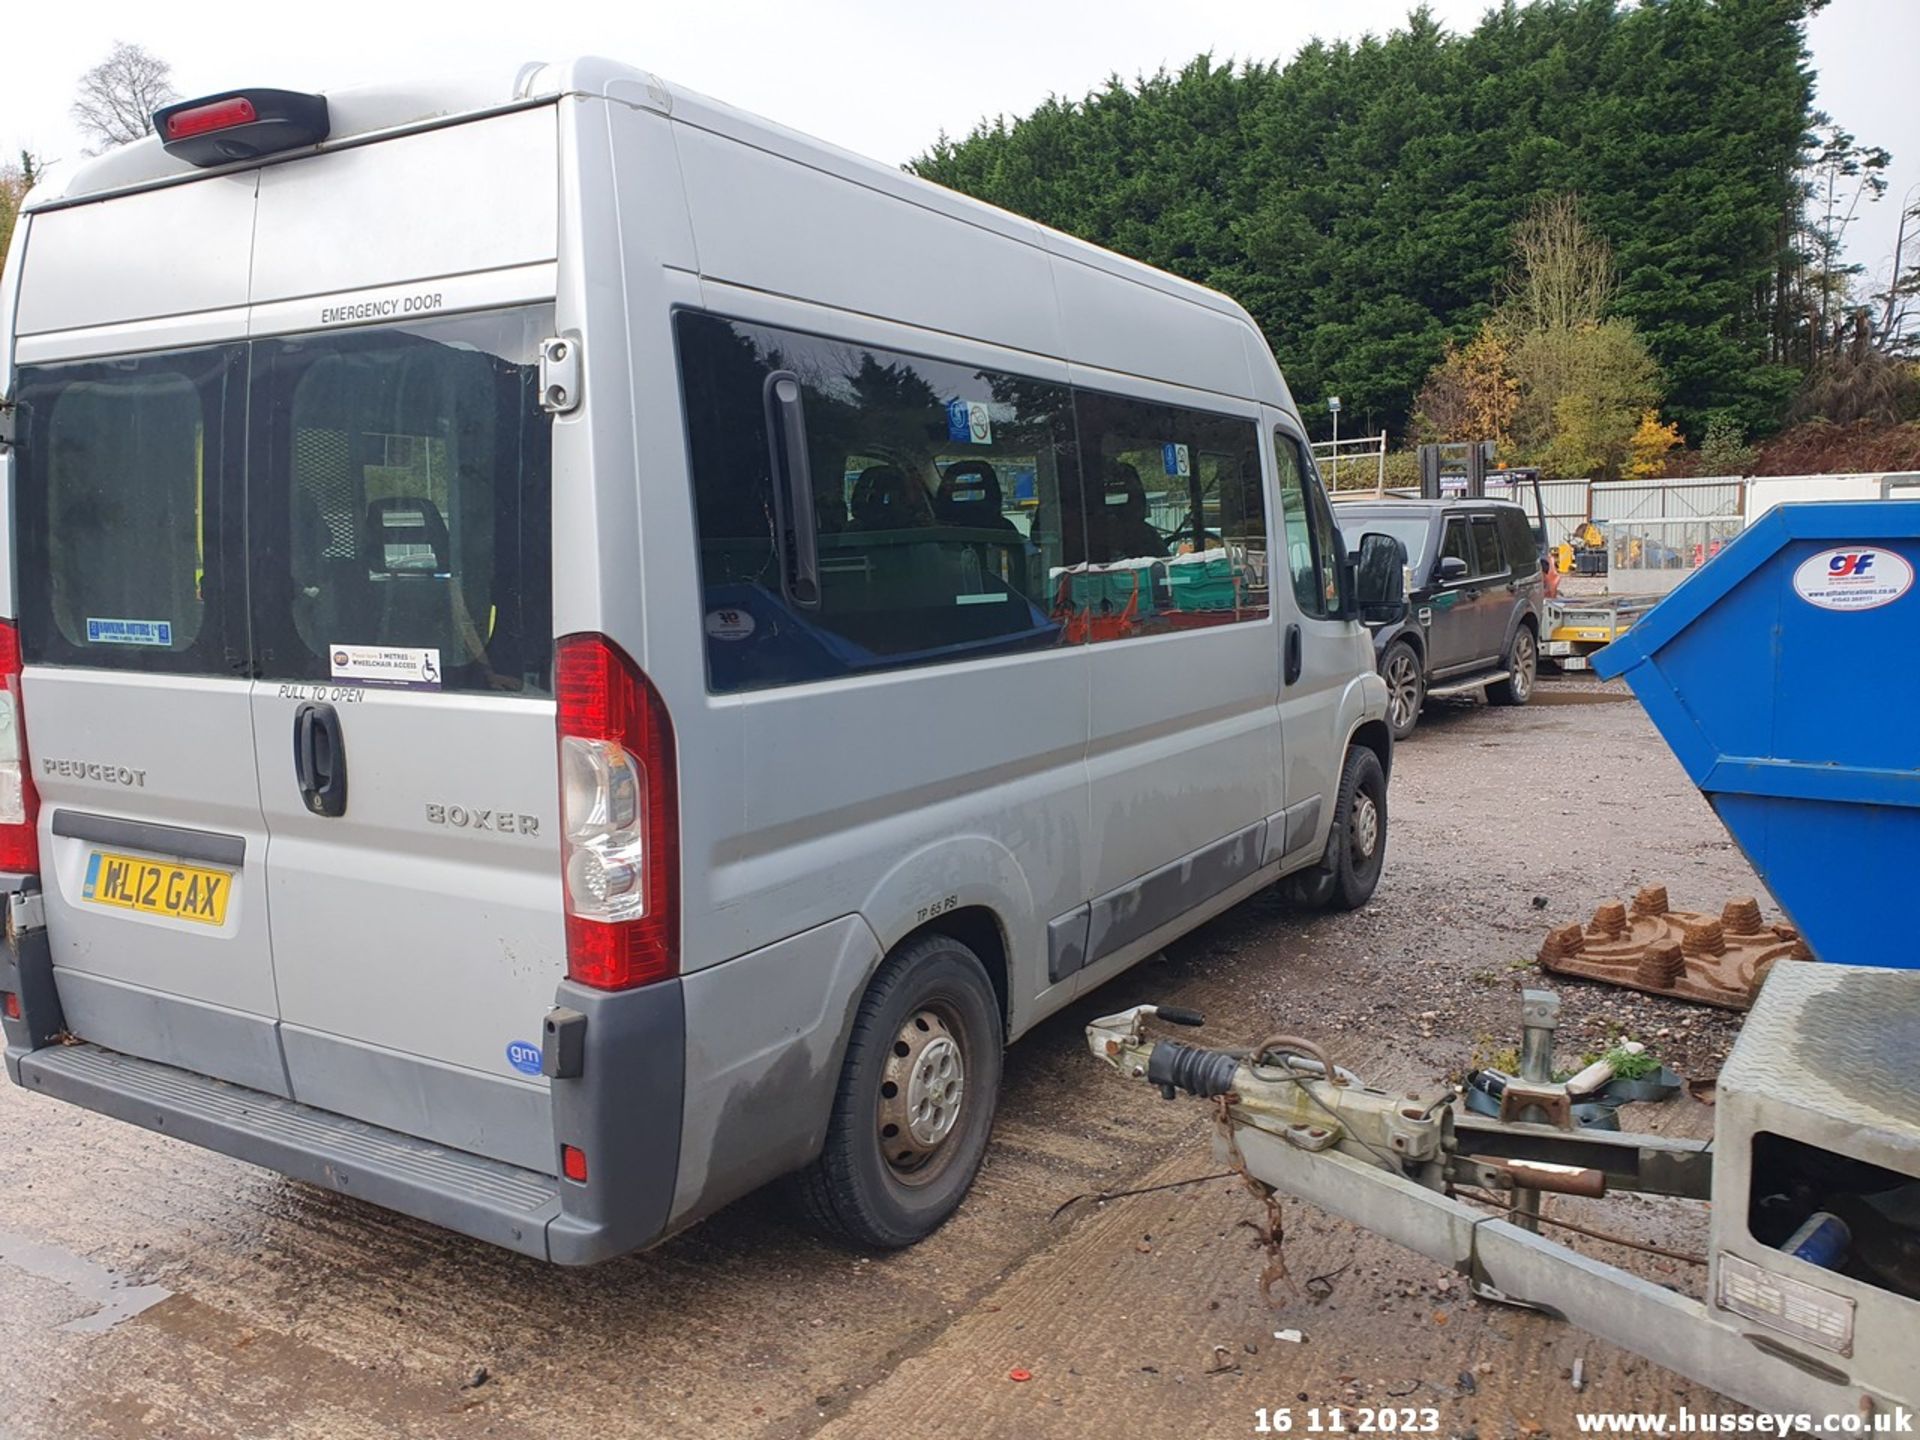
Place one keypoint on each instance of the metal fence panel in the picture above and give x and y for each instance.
(1565, 503)
(1667, 499)
(1660, 531)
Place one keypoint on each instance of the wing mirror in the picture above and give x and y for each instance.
(1380, 576)
(1451, 570)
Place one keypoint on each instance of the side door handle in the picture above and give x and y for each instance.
(320, 758)
(1293, 661)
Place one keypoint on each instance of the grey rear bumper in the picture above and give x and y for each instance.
(476, 1196)
(622, 1108)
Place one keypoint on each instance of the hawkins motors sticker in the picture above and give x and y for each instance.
(1853, 577)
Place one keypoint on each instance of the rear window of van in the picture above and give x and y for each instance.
(265, 509)
(126, 478)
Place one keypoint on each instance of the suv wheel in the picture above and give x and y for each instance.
(1406, 687)
(1523, 664)
(1357, 846)
(916, 1099)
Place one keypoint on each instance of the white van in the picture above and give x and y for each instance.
(927, 615)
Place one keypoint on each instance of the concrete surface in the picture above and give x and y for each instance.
(148, 1288)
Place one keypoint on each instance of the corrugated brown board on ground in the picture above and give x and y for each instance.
(1717, 960)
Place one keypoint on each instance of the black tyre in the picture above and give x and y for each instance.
(1523, 667)
(1356, 846)
(916, 1099)
(1406, 687)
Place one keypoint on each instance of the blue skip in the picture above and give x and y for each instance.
(1785, 675)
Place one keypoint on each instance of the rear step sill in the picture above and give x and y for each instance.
(484, 1198)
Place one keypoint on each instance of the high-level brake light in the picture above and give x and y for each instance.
(241, 124)
(619, 818)
(220, 115)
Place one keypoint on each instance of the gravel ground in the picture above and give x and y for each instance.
(290, 1311)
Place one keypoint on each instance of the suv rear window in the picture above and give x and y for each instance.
(1486, 547)
(1516, 532)
(251, 510)
(124, 483)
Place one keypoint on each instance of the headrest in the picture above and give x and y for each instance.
(406, 534)
(971, 482)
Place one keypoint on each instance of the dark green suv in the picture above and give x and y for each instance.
(1474, 599)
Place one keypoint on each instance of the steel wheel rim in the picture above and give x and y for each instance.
(1365, 827)
(1403, 689)
(1524, 661)
(923, 1091)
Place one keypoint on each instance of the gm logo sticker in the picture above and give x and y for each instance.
(524, 1056)
(1853, 577)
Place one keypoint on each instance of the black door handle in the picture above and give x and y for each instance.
(320, 758)
(1293, 653)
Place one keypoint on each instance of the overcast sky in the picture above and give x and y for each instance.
(876, 76)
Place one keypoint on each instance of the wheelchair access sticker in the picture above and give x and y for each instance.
(386, 665)
(1853, 577)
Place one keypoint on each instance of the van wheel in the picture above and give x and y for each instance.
(1357, 845)
(1523, 665)
(1406, 688)
(916, 1100)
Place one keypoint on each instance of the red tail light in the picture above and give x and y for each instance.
(19, 801)
(619, 818)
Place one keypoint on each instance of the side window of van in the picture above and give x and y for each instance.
(945, 497)
(1176, 520)
(1313, 557)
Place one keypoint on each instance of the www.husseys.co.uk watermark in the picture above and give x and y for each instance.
(1896, 1421)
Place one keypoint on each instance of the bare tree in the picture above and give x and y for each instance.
(119, 95)
(1899, 328)
(1563, 273)
(15, 182)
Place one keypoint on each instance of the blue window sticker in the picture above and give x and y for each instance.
(969, 422)
(1174, 459)
(129, 632)
(524, 1056)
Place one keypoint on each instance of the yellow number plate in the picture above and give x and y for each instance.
(158, 887)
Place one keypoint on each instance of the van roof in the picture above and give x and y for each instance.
(362, 113)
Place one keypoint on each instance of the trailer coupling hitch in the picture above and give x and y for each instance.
(1285, 1086)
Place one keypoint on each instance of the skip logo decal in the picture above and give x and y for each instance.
(1857, 563)
(1852, 577)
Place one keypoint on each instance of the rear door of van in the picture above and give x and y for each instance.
(400, 565)
(129, 545)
